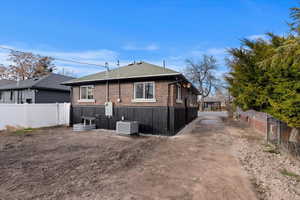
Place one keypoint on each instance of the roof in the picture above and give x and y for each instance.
(213, 99)
(136, 70)
(5, 82)
(51, 81)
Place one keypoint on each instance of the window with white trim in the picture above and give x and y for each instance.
(144, 91)
(86, 92)
(178, 93)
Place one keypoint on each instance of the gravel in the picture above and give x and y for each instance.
(266, 168)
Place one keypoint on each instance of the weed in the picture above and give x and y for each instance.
(285, 172)
(271, 149)
(24, 131)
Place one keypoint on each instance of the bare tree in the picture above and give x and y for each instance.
(28, 65)
(66, 72)
(201, 74)
(3, 72)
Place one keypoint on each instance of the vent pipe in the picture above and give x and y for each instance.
(106, 66)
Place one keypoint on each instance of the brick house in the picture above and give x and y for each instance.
(160, 99)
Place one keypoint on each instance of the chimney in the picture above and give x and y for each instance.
(164, 64)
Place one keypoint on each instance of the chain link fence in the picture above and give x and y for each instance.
(283, 136)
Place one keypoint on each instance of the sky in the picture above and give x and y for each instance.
(97, 31)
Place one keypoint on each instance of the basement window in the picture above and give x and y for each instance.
(144, 92)
(87, 93)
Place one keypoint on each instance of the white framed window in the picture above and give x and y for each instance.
(144, 92)
(86, 93)
(178, 94)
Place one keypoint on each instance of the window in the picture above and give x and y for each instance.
(0, 95)
(87, 92)
(144, 91)
(178, 94)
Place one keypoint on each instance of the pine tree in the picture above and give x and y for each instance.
(265, 74)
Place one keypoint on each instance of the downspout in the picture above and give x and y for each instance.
(119, 100)
(107, 84)
(119, 86)
(107, 91)
(168, 104)
(168, 109)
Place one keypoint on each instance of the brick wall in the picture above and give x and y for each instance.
(127, 95)
(257, 120)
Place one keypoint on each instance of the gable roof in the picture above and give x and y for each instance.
(5, 82)
(136, 70)
(51, 81)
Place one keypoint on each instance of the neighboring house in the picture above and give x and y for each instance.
(4, 82)
(46, 89)
(214, 103)
(160, 99)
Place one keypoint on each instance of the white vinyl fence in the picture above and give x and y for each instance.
(34, 115)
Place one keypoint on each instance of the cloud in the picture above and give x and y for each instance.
(134, 47)
(210, 51)
(99, 57)
(216, 51)
(196, 53)
(4, 58)
(258, 36)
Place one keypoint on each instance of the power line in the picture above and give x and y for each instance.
(60, 59)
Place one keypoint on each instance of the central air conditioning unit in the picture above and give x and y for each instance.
(127, 127)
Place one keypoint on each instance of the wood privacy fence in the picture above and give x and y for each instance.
(34, 115)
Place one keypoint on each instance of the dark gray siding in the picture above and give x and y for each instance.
(51, 96)
(17, 96)
(153, 120)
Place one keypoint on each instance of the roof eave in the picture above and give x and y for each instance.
(120, 78)
(196, 90)
(35, 88)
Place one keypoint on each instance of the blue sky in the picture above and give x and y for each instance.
(107, 31)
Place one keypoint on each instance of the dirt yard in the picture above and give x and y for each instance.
(57, 163)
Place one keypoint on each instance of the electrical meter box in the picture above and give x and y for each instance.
(108, 109)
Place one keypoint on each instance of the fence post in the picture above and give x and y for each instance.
(268, 129)
(278, 132)
(57, 114)
(66, 111)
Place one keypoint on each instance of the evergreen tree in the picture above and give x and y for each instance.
(265, 74)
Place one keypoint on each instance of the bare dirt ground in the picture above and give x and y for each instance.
(59, 164)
